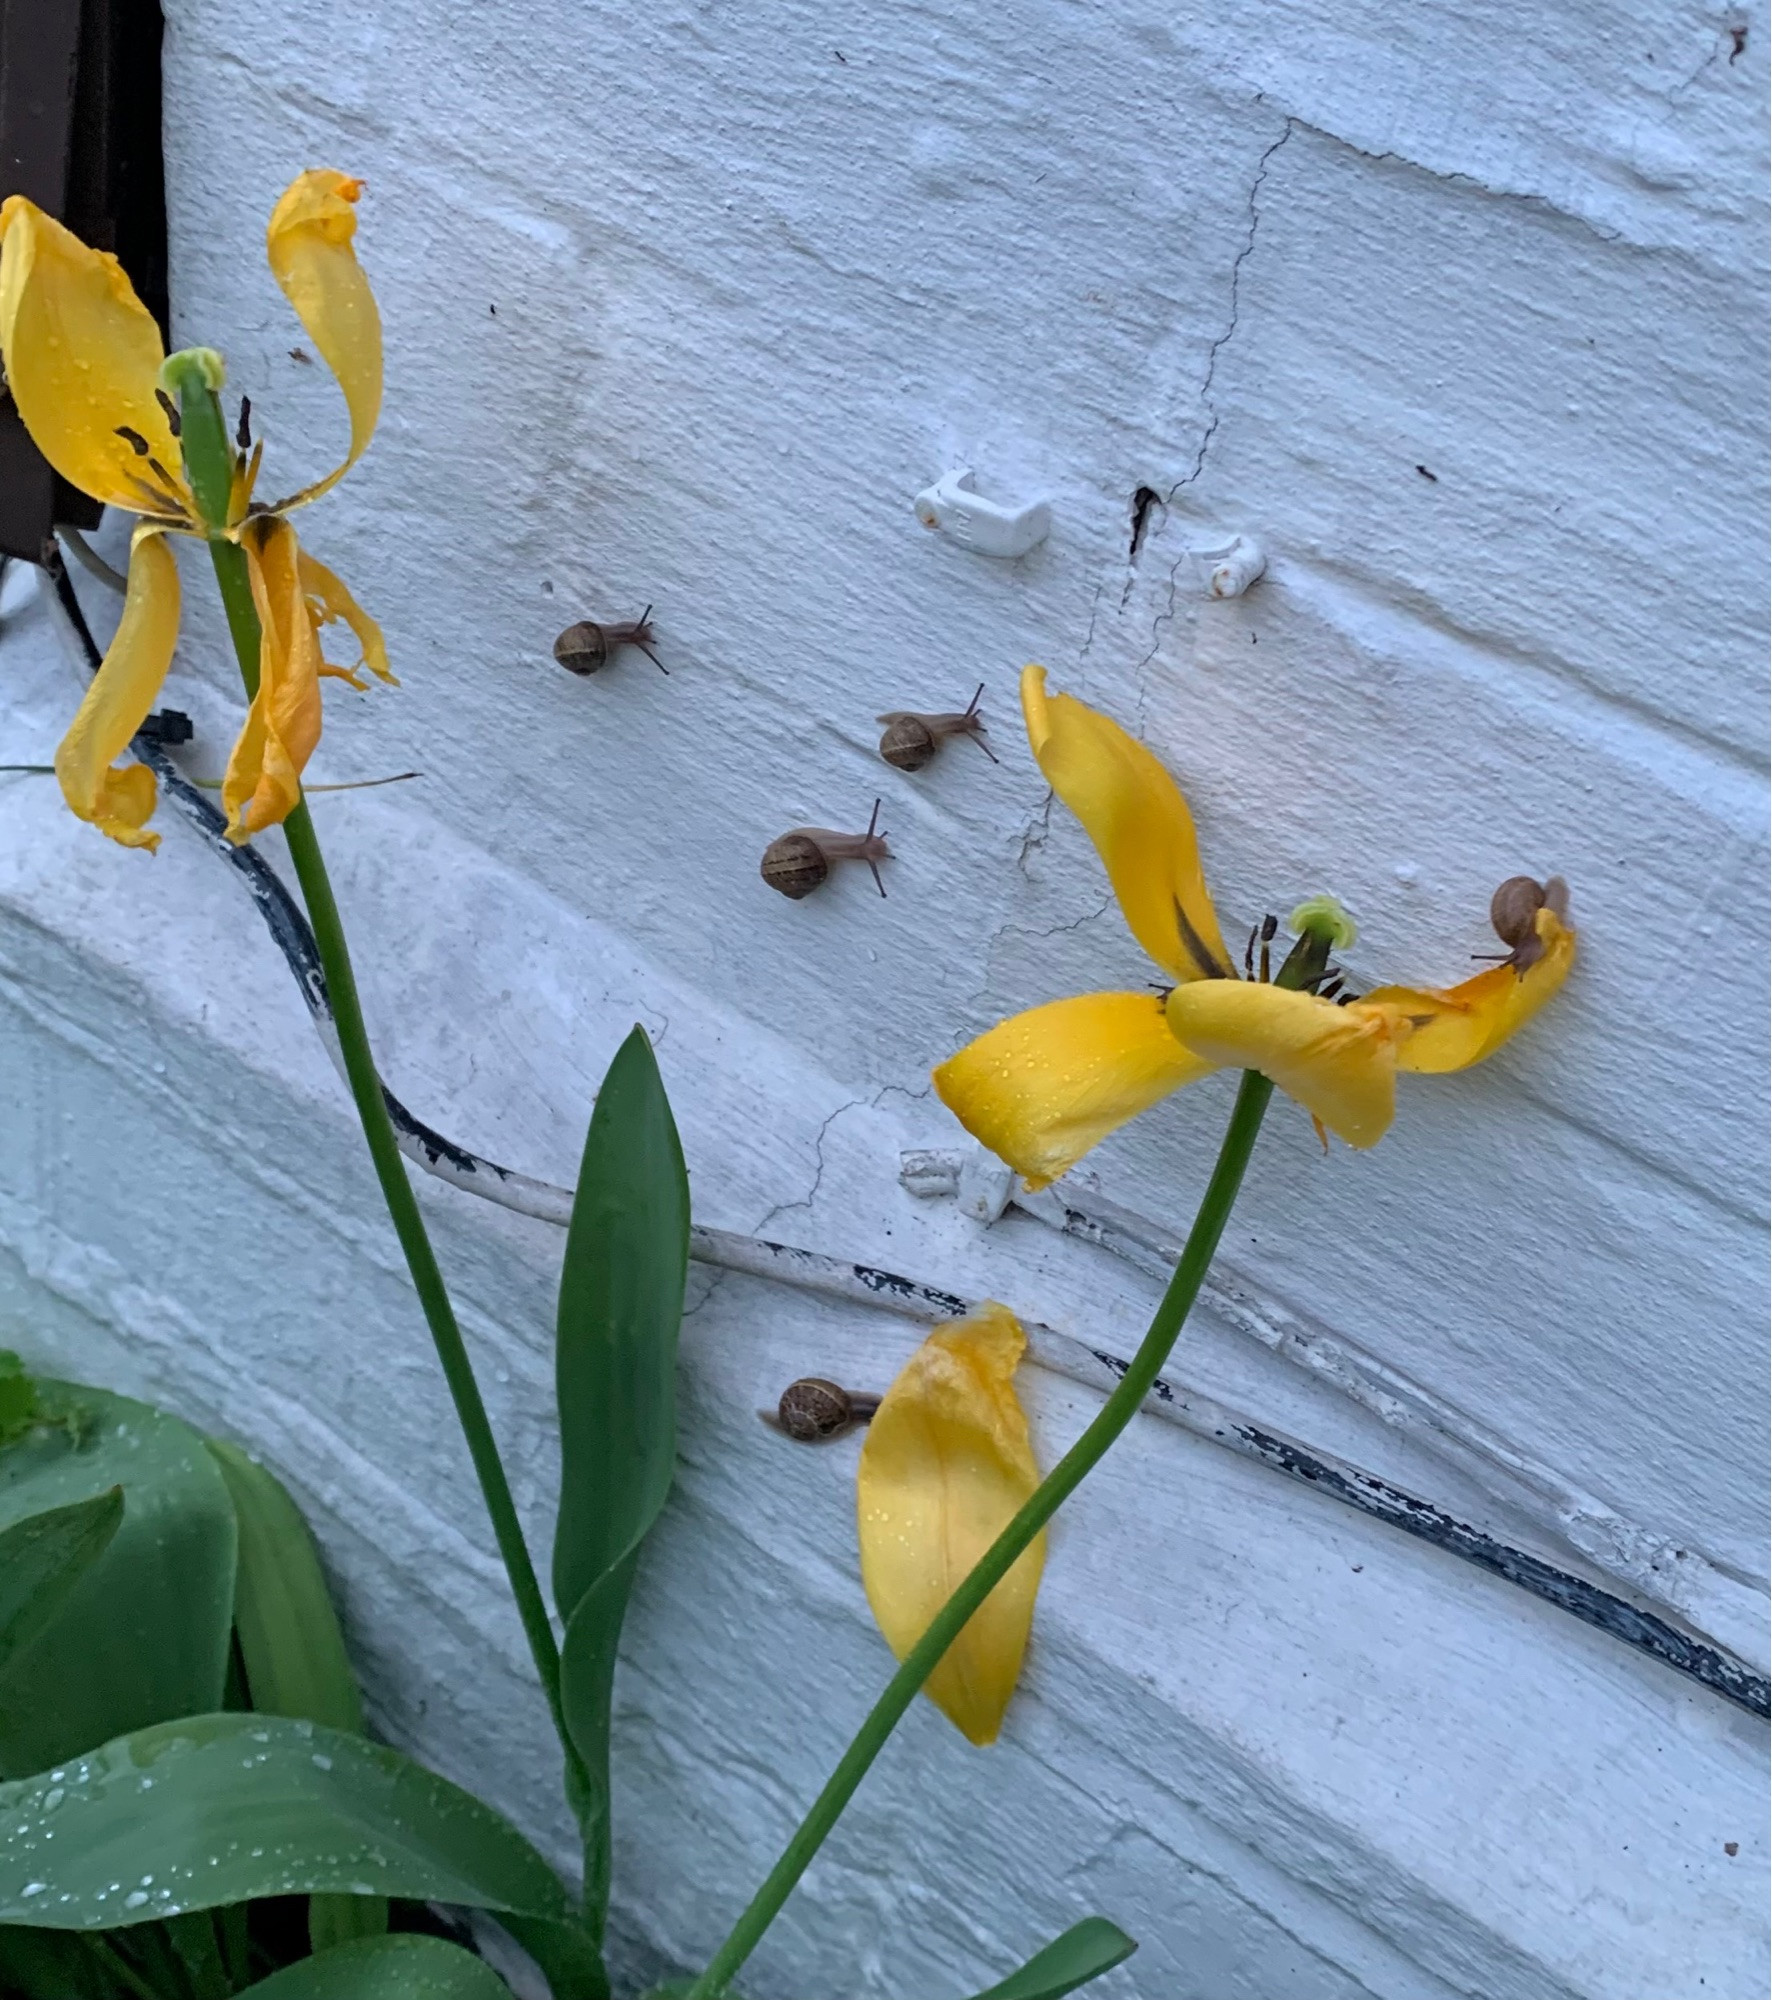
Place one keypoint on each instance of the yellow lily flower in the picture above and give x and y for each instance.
(1044, 1087)
(83, 358)
(946, 1466)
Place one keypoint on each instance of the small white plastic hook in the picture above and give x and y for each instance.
(1230, 568)
(954, 504)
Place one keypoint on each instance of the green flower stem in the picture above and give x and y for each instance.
(205, 443)
(1057, 1487)
(415, 1242)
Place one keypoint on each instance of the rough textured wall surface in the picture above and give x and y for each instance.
(1460, 312)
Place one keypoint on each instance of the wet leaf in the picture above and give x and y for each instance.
(291, 1646)
(43, 1557)
(217, 1809)
(390, 1968)
(143, 1635)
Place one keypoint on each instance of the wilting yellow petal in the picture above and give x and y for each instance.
(1455, 1028)
(262, 783)
(120, 801)
(82, 353)
(946, 1466)
(1339, 1062)
(308, 242)
(335, 601)
(1043, 1087)
(1135, 814)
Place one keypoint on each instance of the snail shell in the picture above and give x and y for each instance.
(795, 864)
(1514, 908)
(813, 1409)
(908, 743)
(584, 647)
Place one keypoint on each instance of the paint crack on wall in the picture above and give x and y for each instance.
(1212, 418)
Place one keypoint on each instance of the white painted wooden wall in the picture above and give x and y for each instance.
(1460, 311)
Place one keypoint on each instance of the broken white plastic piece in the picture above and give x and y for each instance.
(987, 528)
(985, 1186)
(1229, 569)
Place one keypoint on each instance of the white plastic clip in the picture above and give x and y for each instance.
(954, 504)
(1229, 569)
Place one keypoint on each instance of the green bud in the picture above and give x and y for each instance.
(1324, 917)
(193, 368)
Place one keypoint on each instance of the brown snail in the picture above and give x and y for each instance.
(587, 647)
(912, 737)
(813, 1410)
(1513, 914)
(798, 861)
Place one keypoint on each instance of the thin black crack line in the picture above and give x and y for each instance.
(867, 1284)
(1232, 320)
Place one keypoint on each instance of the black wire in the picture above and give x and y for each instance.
(1374, 1497)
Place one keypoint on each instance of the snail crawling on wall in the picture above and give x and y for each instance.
(813, 1410)
(797, 862)
(587, 647)
(913, 737)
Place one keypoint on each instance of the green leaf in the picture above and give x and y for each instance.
(291, 1645)
(43, 1557)
(143, 1635)
(50, 1965)
(290, 1640)
(18, 1398)
(568, 1956)
(217, 1809)
(621, 1304)
(1083, 1953)
(405, 1967)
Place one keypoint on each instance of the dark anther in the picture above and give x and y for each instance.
(1249, 952)
(1269, 927)
(134, 439)
(167, 725)
(1329, 991)
(243, 433)
(1343, 998)
(174, 422)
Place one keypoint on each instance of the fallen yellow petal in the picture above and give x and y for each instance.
(1465, 1024)
(1135, 814)
(120, 801)
(946, 1466)
(335, 601)
(262, 783)
(308, 242)
(1043, 1087)
(1340, 1063)
(82, 354)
